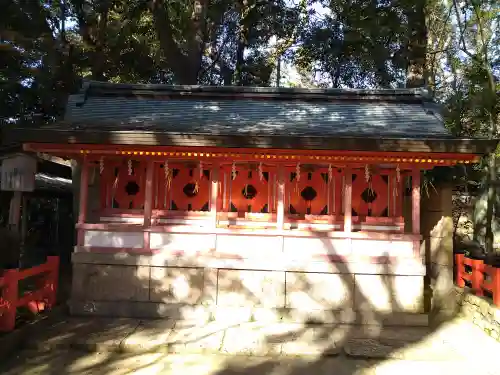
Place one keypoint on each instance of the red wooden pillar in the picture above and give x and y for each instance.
(415, 199)
(415, 209)
(52, 280)
(84, 191)
(348, 201)
(9, 293)
(495, 279)
(280, 210)
(214, 193)
(148, 202)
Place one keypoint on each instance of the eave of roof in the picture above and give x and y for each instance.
(149, 138)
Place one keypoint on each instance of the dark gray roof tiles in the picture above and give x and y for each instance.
(181, 109)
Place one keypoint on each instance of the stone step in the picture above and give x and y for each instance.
(217, 337)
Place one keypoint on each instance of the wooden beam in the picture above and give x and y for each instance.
(280, 209)
(415, 201)
(348, 201)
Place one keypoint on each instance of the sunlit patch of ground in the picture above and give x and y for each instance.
(457, 347)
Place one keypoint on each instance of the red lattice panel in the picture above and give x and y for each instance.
(380, 190)
(247, 178)
(188, 176)
(314, 180)
(114, 182)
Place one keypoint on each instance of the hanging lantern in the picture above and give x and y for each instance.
(330, 173)
(129, 167)
(261, 174)
(101, 165)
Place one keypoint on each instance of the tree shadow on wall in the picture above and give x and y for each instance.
(333, 346)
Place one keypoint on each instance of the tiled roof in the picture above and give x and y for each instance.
(256, 111)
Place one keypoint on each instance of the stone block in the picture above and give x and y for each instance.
(110, 282)
(319, 291)
(250, 288)
(383, 293)
(177, 285)
(441, 250)
(436, 224)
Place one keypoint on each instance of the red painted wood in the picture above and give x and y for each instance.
(189, 176)
(116, 178)
(380, 190)
(249, 177)
(148, 204)
(136, 150)
(311, 179)
(338, 192)
(348, 201)
(84, 188)
(280, 206)
(214, 192)
(10, 300)
(416, 201)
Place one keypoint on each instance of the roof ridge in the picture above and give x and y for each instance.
(89, 87)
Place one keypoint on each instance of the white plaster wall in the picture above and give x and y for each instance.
(114, 239)
(382, 248)
(249, 246)
(189, 242)
(298, 247)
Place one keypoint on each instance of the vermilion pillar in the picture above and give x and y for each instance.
(84, 191)
(348, 200)
(214, 193)
(280, 209)
(415, 194)
(148, 202)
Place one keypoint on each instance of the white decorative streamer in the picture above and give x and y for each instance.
(129, 167)
(261, 173)
(233, 172)
(297, 172)
(101, 165)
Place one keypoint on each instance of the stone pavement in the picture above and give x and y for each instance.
(123, 346)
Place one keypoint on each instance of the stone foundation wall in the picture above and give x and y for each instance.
(479, 311)
(143, 286)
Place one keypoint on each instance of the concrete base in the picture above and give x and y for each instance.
(344, 292)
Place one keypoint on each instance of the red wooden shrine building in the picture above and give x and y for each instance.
(233, 196)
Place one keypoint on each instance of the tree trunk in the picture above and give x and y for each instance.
(417, 45)
(183, 60)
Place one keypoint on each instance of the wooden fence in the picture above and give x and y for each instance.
(43, 298)
(481, 278)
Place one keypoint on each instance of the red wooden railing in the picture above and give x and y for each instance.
(44, 297)
(481, 277)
